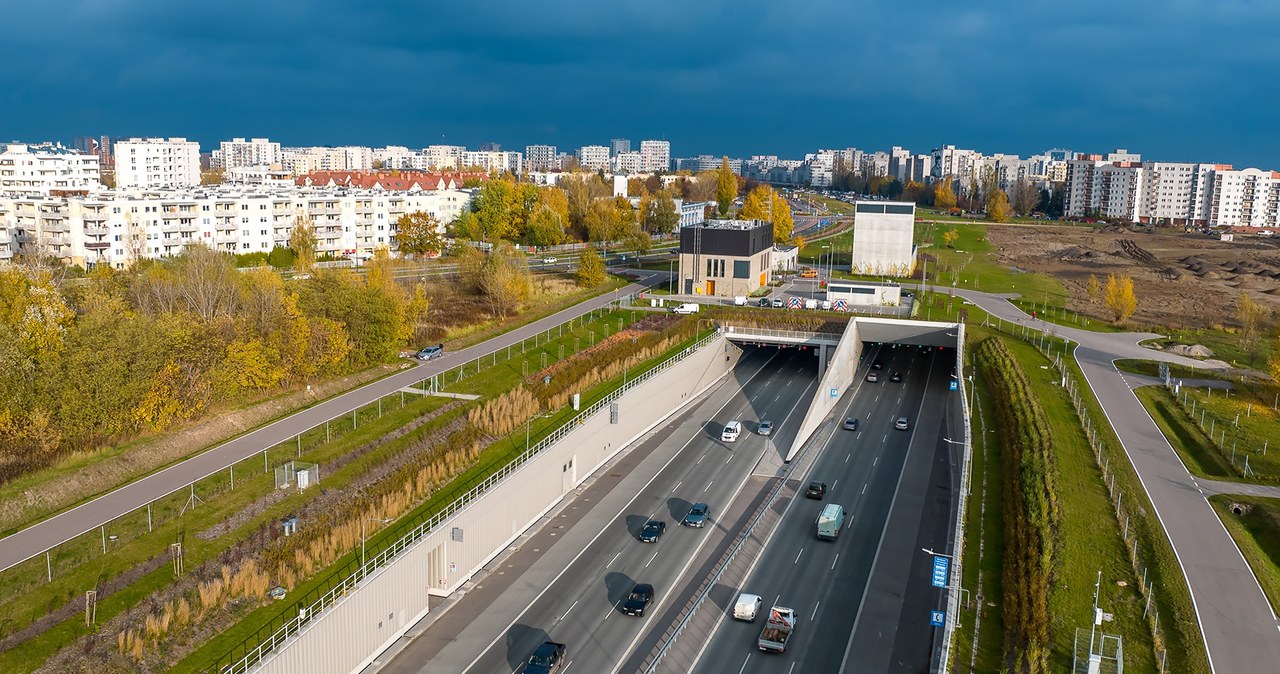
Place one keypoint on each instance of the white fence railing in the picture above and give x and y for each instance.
(350, 583)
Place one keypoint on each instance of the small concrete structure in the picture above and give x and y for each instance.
(865, 293)
(786, 258)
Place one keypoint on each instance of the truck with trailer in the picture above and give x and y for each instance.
(777, 630)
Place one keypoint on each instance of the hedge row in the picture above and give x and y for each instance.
(1030, 511)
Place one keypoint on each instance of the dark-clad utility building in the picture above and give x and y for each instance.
(725, 258)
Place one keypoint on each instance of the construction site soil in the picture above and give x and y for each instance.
(1182, 280)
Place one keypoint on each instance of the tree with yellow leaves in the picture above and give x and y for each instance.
(998, 208)
(1120, 298)
(726, 187)
(944, 197)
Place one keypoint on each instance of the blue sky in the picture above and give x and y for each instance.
(1173, 80)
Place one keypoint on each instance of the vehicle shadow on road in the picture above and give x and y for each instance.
(634, 524)
(521, 641)
(678, 508)
(617, 586)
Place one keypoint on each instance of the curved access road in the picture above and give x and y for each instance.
(37, 538)
(1241, 632)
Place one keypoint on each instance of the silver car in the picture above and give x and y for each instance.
(901, 424)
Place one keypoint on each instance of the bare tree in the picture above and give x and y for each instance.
(302, 239)
(206, 282)
(1025, 197)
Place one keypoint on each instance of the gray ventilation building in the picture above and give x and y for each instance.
(725, 258)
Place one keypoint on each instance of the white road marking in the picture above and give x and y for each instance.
(673, 489)
(833, 485)
(874, 463)
(790, 669)
(798, 556)
(833, 562)
(615, 558)
(566, 613)
(700, 459)
(744, 664)
(815, 608)
(708, 485)
(655, 556)
(864, 488)
(847, 457)
(729, 459)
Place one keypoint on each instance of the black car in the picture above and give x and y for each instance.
(547, 658)
(764, 302)
(638, 600)
(895, 377)
(652, 530)
(816, 490)
(697, 515)
(851, 424)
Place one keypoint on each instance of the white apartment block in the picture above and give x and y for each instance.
(40, 169)
(1245, 198)
(441, 157)
(240, 152)
(655, 155)
(821, 165)
(303, 160)
(961, 165)
(157, 163)
(495, 162)
(628, 163)
(112, 227)
(541, 158)
(593, 158)
(874, 164)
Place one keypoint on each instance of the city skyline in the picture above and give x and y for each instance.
(407, 75)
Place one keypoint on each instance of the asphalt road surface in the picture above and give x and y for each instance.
(99, 511)
(1241, 632)
(863, 600)
(599, 558)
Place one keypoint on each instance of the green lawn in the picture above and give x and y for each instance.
(1089, 535)
(1151, 368)
(1240, 423)
(1227, 346)
(1192, 445)
(966, 263)
(1257, 533)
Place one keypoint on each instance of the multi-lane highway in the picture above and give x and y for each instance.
(873, 576)
(861, 601)
(580, 605)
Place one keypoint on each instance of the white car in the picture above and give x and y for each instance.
(731, 431)
(549, 260)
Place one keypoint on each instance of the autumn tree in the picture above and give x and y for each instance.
(546, 227)
(914, 191)
(505, 280)
(783, 222)
(726, 186)
(1025, 197)
(1251, 315)
(591, 272)
(949, 237)
(419, 235)
(1273, 366)
(944, 197)
(303, 242)
(998, 206)
(660, 215)
(1093, 287)
(206, 282)
(1120, 298)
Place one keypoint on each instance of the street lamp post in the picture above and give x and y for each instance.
(362, 536)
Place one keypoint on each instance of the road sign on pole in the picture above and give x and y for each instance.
(835, 392)
(940, 567)
(937, 618)
(954, 386)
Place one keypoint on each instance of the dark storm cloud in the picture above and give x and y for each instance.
(1173, 80)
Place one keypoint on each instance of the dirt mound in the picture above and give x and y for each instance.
(1130, 249)
(1191, 351)
(1170, 274)
(1075, 254)
(1209, 275)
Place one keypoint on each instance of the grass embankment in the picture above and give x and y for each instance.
(1226, 344)
(1146, 542)
(80, 565)
(1239, 424)
(266, 619)
(1193, 446)
(540, 306)
(1256, 530)
(1151, 368)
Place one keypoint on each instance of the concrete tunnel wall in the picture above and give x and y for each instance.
(369, 619)
(842, 366)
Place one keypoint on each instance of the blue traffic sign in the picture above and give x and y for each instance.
(937, 618)
(954, 386)
(940, 567)
(835, 392)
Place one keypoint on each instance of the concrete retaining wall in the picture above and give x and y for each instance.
(841, 364)
(370, 619)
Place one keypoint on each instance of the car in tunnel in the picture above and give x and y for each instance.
(901, 424)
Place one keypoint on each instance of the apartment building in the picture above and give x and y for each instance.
(628, 163)
(116, 227)
(541, 158)
(495, 161)
(1245, 198)
(961, 165)
(655, 156)
(239, 152)
(46, 167)
(593, 158)
(618, 146)
(157, 163)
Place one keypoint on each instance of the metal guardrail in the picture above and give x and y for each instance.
(957, 560)
(808, 335)
(351, 582)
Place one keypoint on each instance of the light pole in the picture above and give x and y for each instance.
(824, 254)
(362, 536)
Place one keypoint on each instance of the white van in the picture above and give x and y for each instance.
(731, 431)
(747, 607)
(687, 308)
(811, 304)
(740, 300)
